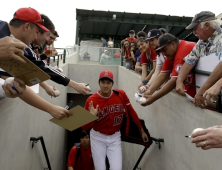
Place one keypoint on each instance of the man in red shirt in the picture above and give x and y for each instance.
(131, 36)
(80, 157)
(105, 134)
(174, 50)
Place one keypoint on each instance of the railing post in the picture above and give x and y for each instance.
(35, 140)
(64, 56)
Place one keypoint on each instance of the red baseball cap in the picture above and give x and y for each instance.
(106, 74)
(30, 15)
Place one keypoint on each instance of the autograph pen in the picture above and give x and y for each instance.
(188, 136)
(69, 105)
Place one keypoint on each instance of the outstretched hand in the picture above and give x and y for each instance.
(93, 110)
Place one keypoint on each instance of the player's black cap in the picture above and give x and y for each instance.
(164, 40)
(201, 17)
(154, 33)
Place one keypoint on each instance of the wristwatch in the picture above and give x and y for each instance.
(144, 81)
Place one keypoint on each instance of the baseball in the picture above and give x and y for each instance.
(142, 100)
(143, 89)
(136, 97)
(88, 88)
(196, 130)
(10, 81)
(57, 92)
(60, 69)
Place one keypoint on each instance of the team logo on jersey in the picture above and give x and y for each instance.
(149, 33)
(177, 69)
(106, 73)
(109, 109)
(118, 120)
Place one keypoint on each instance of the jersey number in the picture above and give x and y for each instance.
(117, 120)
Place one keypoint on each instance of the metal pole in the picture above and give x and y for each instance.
(141, 156)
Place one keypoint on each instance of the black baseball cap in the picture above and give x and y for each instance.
(164, 40)
(163, 30)
(201, 17)
(154, 33)
(132, 32)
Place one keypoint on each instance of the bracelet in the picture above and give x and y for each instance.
(144, 81)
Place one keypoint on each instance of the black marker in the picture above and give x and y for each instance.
(69, 105)
(87, 84)
(188, 136)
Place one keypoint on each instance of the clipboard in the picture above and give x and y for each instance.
(79, 118)
(28, 72)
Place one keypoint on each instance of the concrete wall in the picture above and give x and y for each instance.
(90, 74)
(19, 122)
(171, 117)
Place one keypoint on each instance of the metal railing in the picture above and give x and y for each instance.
(57, 57)
(71, 49)
(35, 140)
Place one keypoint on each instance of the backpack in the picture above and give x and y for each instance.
(78, 151)
(130, 131)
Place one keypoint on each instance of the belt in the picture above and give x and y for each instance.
(107, 134)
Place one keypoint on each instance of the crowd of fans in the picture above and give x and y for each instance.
(164, 61)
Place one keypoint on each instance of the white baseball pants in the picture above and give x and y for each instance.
(102, 145)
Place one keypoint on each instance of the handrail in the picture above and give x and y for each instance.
(35, 140)
(61, 56)
(206, 73)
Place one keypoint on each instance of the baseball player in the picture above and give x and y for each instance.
(105, 134)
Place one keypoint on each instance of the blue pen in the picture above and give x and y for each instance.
(26, 53)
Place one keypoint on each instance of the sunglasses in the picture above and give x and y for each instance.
(143, 39)
(52, 38)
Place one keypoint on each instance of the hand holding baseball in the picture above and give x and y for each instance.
(19, 87)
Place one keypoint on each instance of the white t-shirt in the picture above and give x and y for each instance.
(104, 57)
(160, 60)
(110, 44)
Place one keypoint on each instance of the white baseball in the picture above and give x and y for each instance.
(136, 96)
(10, 81)
(196, 130)
(88, 88)
(57, 92)
(143, 89)
(142, 100)
(60, 69)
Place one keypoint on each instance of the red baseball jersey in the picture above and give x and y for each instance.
(110, 112)
(145, 58)
(85, 160)
(131, 40)
(183, 49)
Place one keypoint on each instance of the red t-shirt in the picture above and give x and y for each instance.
(127, 53)
(144, 57)
(117, 55)
(110, 112)
(183, 49)
(85, 160)
(131, 40)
